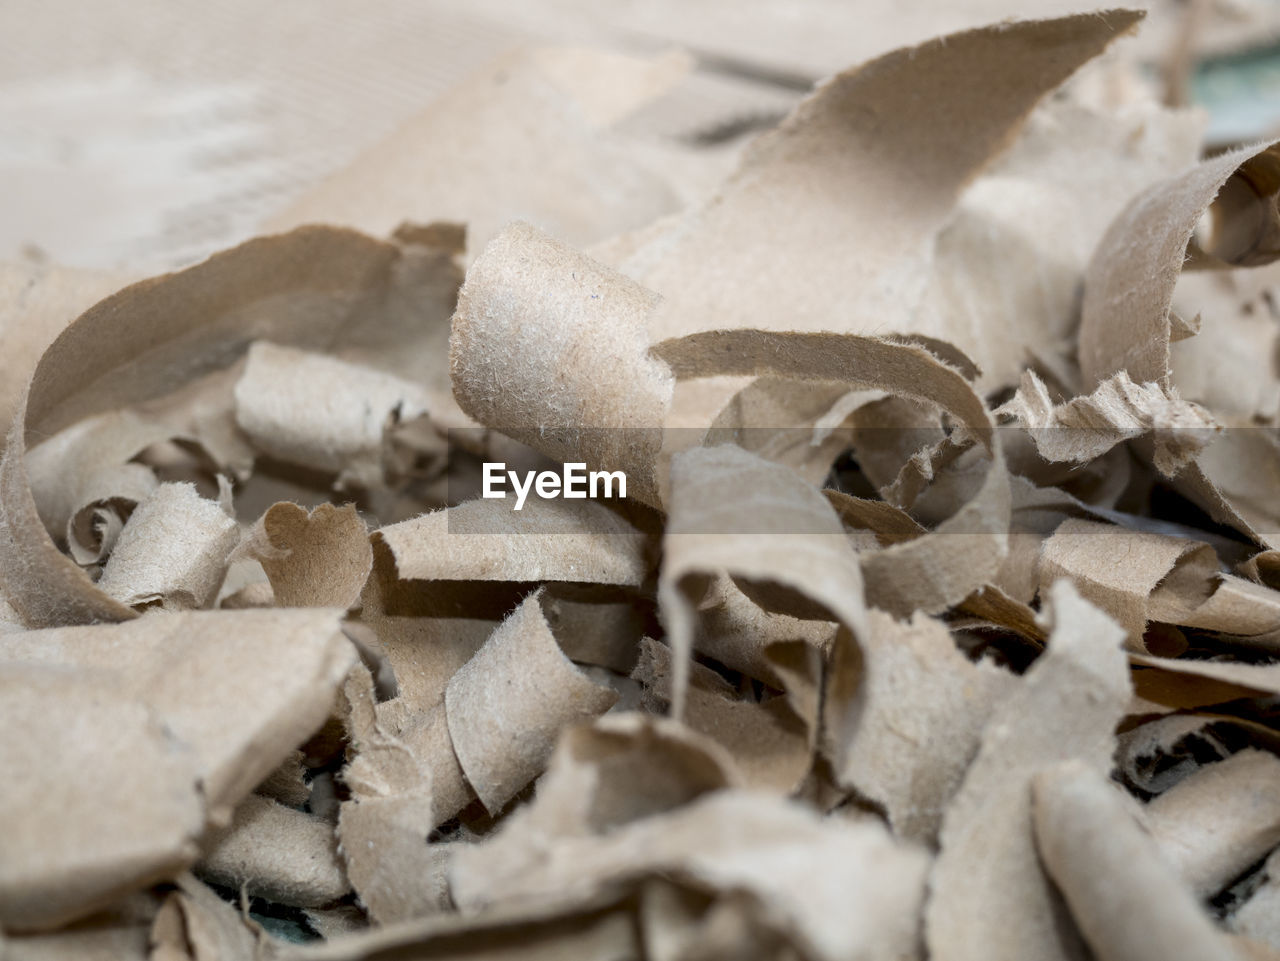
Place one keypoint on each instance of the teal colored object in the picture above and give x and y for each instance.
(1241, 93)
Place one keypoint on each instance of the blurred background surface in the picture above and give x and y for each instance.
(144, 134)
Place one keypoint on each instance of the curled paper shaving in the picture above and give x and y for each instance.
(137, 794)
(506, 705)
(235, 692)
(1126, 317)
(908, 712)
(1117, 410)
(172, 552)
(316, 287)
(320, 558)
(1241, 793)
(533, 313)
(988, 890)
(1118, 569)
(383, 828)
(547, 540)
(801, 550)
(1185, 682)
(275, 852)
(1085, 831)
(1126, 327)
(1158, 754)
(322, 413)
(36, 302)
(397, 874)
(730, 840)
(852, 188)
(934, 571)
(1007, 268)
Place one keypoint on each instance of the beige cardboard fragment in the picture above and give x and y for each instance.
(412, 737)
(889, 524)
(200, 413)
(993, 606)
(95, 528)
(1129, 292)
(194, 924)
(424, 653)
(100, 799)
(623, 768)
(852, 893)
(507, 705)
(240, 688)
(275, 852)
(1118, 569)
(118, 933)
(464, 159)
(989, 894)
(172, 552)
(1262, 568)
(37, 300)
(1124, 899)
(1247, 614)
(253, 594)
(889, 431)
(1217, 822)
(767, 741)
(320, 558)
(546, 540)
(430, 744)
(1117, 410)
(315, 288)
(380, 764)
(908, 713)
(536, 327)
(830, 220)
(779, 534)
(382, 831)
(646, 765)
(396, 873)
(1232, 481)
(1126, 327)
(319, 412)
(89, 462)
(1187, 683)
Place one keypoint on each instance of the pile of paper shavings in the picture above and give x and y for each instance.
(941, 618)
